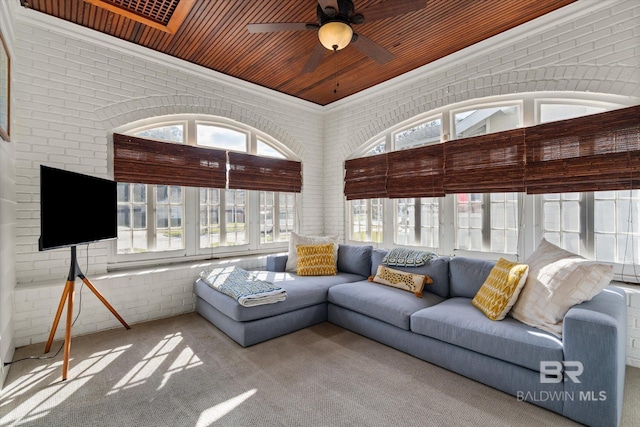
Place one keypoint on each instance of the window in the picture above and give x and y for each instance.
(160, 221)
(601, 225)
(367, 218)
(417, 222)
(486, 120)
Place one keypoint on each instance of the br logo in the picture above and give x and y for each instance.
(552, 371)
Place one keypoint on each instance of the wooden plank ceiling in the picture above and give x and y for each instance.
(213, 34)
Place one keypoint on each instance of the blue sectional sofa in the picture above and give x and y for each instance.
(444, 328)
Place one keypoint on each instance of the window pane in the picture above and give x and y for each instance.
(132, 218)
(405, 222)
(504, 222)
(221, 137)
(553, 112)
(173, 133)
(561, 223)
(209, 218)
(264, 149)
(429, 222)
(617, 226)
(367, 220)
(377, 149)
(486, 120)
(235, 218)
(423, 134)
(169, 223)
(469, 217)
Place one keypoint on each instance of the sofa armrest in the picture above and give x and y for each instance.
(277, 262)
(594, 334)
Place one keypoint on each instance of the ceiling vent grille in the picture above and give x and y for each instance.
(165, 15)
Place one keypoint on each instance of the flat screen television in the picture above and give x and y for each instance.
(75, 209)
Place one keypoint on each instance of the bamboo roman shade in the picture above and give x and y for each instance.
(146, 161)
(492, 163)
(590, 153)
(416, 172)
(366, 177)
(249, 172)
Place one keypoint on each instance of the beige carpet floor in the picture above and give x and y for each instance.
(182, 371)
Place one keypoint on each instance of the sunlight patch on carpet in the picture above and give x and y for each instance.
(213, 414)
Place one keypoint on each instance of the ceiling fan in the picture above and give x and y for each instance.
(335, 31)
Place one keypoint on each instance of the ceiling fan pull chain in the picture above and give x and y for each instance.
(335, 89)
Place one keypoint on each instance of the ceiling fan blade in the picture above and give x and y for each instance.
(372, 50)
(317, 55)
(329, 3)
(280, 26)
(391, 8)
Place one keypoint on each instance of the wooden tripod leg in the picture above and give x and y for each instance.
(105, 302)
(63, 299)
(67, 332)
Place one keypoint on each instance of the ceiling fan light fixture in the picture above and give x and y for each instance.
(335, 35)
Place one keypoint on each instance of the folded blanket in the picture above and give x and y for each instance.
(401, 257)
(243, 286)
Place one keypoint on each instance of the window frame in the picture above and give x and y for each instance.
(530, 207)
(191, 198)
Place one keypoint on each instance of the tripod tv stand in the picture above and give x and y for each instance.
(67, 296)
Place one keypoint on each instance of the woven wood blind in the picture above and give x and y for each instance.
(366, 177)
(145, 161)
(416, 172)
(249, 172)
(591, 153)
(492, 163)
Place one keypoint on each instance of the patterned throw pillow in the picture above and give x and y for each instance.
(558, 280)
(402, 280)
(316, 260)
(298, 239)
(501, 289)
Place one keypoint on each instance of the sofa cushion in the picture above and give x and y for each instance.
(437, 269)
(390, 305)
(501, 289)
(457, 322)
(467, 275)
(355, 259)
(302, 291)
(558, 280)
(316, 260)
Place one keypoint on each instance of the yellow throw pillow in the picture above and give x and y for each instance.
(316, 260)
(501, 289)
(402, 280)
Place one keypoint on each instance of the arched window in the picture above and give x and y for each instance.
(168, 221)
(599, 225)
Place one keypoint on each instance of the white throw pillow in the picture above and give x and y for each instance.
(297, 239)
(557, 280)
